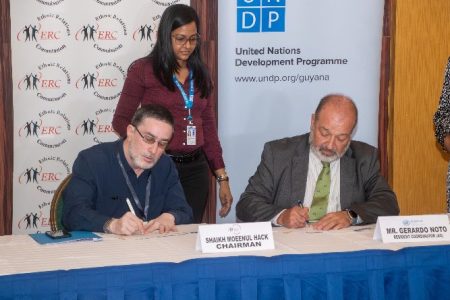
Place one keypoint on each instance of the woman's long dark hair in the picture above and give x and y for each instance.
(163, 58)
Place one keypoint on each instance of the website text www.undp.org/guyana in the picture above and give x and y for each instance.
(296, 78)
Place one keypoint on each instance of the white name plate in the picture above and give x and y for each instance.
(420, 228)
(235, 237)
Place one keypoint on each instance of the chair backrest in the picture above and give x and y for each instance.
(56, 209)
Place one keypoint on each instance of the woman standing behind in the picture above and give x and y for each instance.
(442, 123)
(174, 76)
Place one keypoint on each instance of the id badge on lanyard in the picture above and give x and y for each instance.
(191, 135)
(191, 129)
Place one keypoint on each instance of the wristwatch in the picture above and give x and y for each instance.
(223, 177)
(352, 216)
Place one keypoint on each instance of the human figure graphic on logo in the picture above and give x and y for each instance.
(27, 33)
(35, 174)
(91, 31)
(142, 31)
(149, 31)
(28, 220)
(91, 126)
(33, 33)
(35, 219)
(28, 128)
(85, 81)
(35, 128)
(85, 126)
(84, 31)
(28, 81)
(92, 78)
(35, 80)
(28, 175)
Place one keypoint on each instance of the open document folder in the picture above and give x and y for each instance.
(76, 236)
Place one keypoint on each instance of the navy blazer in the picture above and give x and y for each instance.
(98, 191)
(280, 182)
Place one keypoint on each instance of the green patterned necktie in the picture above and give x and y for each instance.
(320, 199)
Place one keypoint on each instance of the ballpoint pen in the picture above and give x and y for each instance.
(132, 210)
(363, 228)
(130, 207)
(299, 204)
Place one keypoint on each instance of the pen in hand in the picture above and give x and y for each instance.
(299, 204)
(130, 207)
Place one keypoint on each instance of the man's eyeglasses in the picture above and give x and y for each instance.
(181, 40)
(150, 139)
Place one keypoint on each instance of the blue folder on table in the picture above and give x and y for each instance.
(76, 236)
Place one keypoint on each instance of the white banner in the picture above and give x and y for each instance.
(69, 62)
(277, 59)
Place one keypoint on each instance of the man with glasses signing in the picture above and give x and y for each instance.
(129, 186)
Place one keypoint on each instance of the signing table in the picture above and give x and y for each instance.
(305, 264)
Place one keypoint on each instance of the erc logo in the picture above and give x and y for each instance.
(146, 33)
(49, 129)
(47, 33)
(105, 81)
(105, 32)
(31, 220)
(46, 174)
(49, 81)
(98, 127)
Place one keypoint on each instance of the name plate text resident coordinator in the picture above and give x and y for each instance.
(235, 237)
(420, 228)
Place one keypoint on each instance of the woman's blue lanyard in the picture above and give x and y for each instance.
(133, 192)
(188, 101)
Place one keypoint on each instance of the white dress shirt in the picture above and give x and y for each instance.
(314, 168)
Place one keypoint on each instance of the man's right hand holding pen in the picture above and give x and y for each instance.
(130, 224)
(294, 217)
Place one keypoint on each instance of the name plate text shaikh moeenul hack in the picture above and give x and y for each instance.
(235, 237)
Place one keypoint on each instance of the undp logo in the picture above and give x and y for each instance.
(261, 15)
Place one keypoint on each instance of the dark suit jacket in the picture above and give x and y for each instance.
(280, 182)
(98, 189)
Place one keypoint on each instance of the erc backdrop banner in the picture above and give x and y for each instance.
(69, 61)
(277, 59)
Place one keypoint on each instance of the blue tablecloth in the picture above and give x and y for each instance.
(411, 273)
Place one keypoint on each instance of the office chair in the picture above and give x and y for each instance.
(56, 208)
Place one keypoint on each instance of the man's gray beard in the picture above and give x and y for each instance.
(136, 160)
(322, 157)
